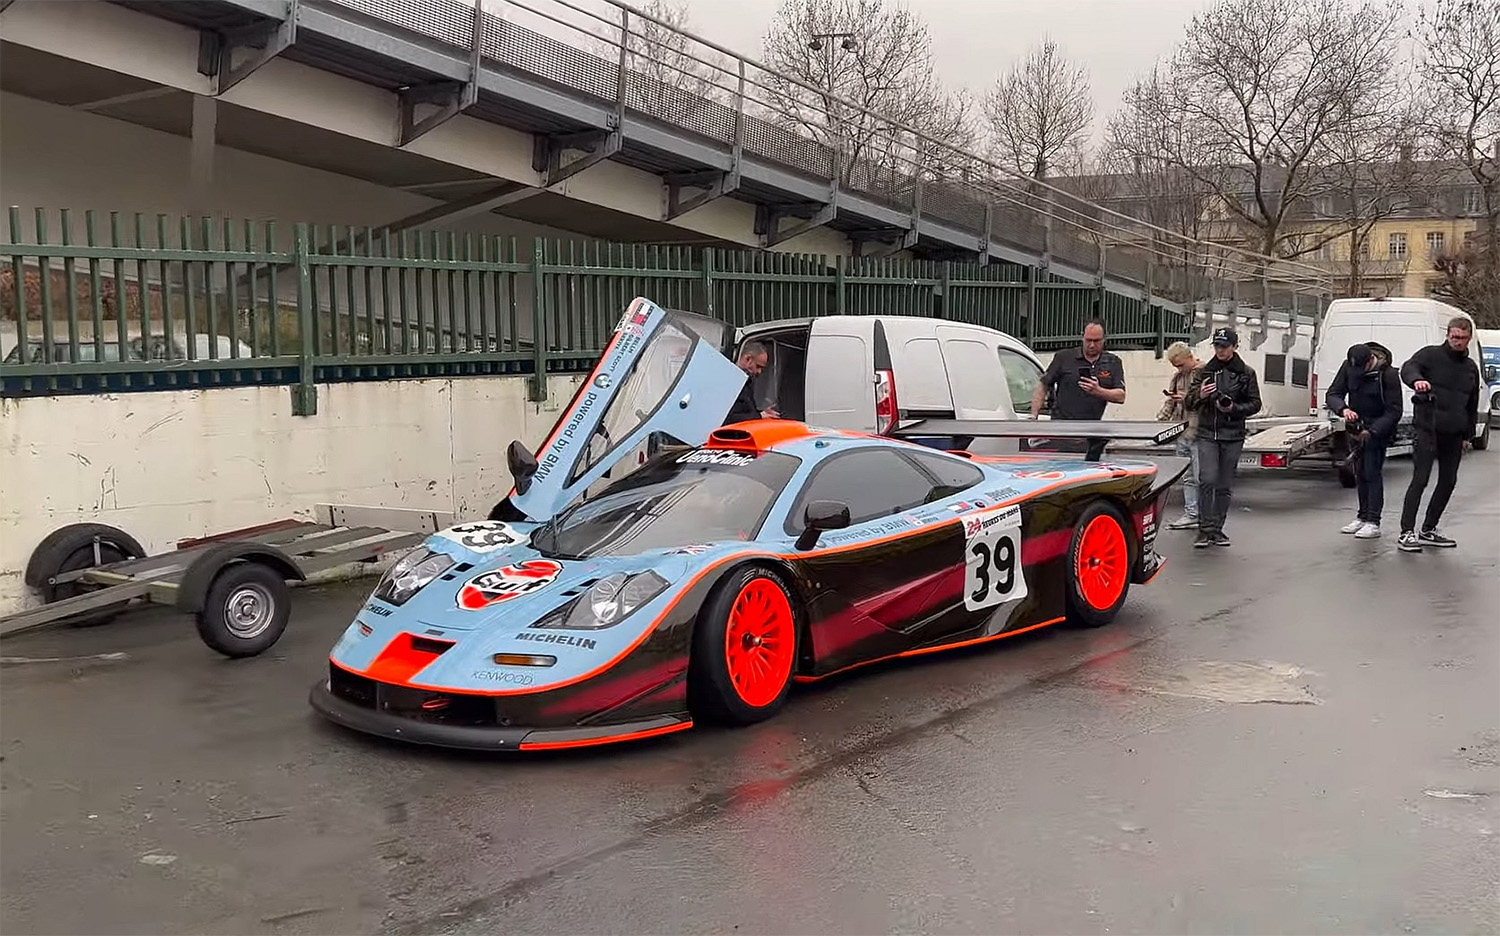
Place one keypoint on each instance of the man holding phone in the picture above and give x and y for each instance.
(1082, 383)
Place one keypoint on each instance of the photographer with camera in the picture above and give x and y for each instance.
(1224, 392)
(1366, 392)
(1447, 382)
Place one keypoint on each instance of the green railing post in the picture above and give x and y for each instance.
(538, 325)
(709, 306)
(1028, 314)
(305, 391)
(839, 296)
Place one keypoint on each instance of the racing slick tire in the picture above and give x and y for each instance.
(245, 610)
(745, 646)
(1099, 563)
(71, 548)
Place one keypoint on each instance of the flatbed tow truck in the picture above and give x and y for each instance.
(1286, 443)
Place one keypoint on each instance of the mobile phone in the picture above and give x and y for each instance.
(1085, 372)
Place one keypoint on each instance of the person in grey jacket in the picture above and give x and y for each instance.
(1224, 392)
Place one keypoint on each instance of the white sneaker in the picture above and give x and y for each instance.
(1353, 527)
(1368, 531)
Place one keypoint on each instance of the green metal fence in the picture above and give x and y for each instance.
(134, 304)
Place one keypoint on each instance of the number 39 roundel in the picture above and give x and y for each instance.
(992, 558)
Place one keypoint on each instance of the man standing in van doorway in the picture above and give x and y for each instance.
(1082, 383)
(1225, 392)
(753, 359)
(1442, 416)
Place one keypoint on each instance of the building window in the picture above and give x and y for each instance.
(1434, 243)
(1473, 203)
(1395, 246)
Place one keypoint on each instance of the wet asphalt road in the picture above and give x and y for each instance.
(1300, 733)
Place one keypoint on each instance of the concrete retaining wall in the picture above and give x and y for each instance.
(177, 464)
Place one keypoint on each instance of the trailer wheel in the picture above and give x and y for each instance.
(246, 609)
(70, 549)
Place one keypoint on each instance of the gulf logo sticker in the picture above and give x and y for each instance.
(507, 582)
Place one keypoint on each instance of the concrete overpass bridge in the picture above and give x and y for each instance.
(538, 110)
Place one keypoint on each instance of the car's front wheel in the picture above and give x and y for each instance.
(1099, 560)
(744, 649)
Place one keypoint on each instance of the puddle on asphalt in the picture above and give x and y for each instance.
(1224, 681)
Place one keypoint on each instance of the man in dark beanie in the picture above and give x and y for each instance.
(1447, 382)
(1366, 392)
(1224, 392)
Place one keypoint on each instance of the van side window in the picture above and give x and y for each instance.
(874, 483)
(1022, 376)
(953, 474)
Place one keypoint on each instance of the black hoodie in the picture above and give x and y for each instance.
(1455, 390)
(1235, 378)
(1375, 395)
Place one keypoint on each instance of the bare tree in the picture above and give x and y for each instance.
(886, 69)
(1152, 184)
(672, 76)
(1038, 114)
(1256, 88)
(1459, 69)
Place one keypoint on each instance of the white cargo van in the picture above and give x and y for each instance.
(1403, 325)
(863, 372)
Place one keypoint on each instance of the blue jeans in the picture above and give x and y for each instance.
(1217, 463)
(1188, 448)
(1369, 481)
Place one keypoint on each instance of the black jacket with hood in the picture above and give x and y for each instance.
(1236, 379)
(1455, 390)
(1375, 395)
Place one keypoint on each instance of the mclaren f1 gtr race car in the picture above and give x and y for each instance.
(726, 563)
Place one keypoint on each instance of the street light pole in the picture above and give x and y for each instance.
(823, 42)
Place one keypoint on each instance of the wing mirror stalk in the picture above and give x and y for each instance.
(818, 517)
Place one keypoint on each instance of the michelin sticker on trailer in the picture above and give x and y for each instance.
(993, 573)
(482, 537)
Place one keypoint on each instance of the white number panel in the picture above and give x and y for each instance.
(483, 536)
(992, 558)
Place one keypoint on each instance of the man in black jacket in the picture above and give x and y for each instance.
(1366, 392)
(1447, 383)
(1224, 392)
(753, 359)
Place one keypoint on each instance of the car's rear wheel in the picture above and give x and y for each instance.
(1099, 560)
(744, 649)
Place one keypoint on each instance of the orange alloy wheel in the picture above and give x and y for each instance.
(759, 642)
(1103, 563)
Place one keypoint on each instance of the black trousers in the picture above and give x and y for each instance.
(1446, 449)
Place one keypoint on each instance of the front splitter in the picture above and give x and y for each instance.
(479, 738)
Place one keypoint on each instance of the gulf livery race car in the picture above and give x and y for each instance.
(728, 563)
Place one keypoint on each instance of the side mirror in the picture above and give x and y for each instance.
(818, 517)
(522, 466)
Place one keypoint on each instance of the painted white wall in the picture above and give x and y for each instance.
(136, 44)
(177, 464)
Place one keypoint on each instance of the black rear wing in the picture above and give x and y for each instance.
(1134, 430)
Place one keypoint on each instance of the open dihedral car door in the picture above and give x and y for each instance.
(662, 372)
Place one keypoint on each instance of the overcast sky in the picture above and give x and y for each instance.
(975, 41)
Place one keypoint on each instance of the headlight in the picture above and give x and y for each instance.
(608, 601)
(408, 576)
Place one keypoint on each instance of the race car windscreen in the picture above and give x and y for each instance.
(681, 498)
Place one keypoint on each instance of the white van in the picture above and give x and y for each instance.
(863, 372)
(1402, 325)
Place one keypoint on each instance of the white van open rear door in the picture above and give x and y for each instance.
(841, 378)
